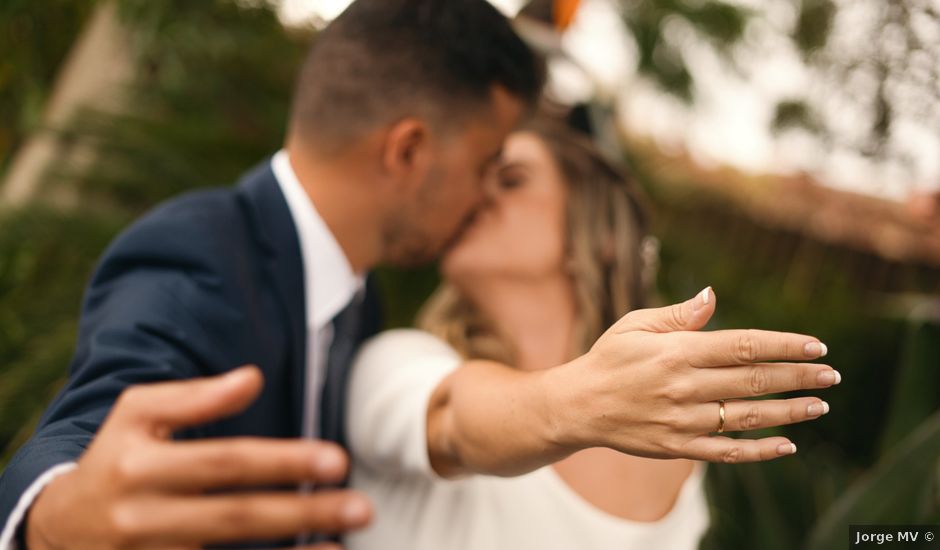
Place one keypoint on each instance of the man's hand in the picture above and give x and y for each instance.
(650, 387)
(134, 487)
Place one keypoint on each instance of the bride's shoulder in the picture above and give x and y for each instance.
(397, 344)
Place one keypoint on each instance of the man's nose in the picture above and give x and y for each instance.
(490, 190)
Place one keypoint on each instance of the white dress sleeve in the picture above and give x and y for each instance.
(391, 383)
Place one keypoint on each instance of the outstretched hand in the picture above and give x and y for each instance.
(652, 384)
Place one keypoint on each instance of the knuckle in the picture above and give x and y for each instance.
(752, 419)
(124, 526)
(757, 380)
(678, 391)
(128, 397)
(669, 446)
(803, 378)
(731, 456)
(746, 349)
(674, 446)
(674, 419)
(672, 355)
(127, 470)
(676, 315)
(236, 518)
(793, 414)
(807, 377)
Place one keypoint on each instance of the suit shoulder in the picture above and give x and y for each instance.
(209, 218)
(207, 212)
(203, 233)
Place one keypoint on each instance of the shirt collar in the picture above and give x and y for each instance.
(329, 281)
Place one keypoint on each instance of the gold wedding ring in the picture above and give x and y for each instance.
(721, 415)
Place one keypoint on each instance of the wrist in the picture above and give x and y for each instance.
(564, 429)
(34, 533)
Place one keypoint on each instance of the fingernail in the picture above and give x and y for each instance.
(815, 349)
(817, 409)
(786, 449)
(828, 377)
(702, 299)
(355, 511)
(838, 378)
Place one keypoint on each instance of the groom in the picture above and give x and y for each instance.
(399, 113)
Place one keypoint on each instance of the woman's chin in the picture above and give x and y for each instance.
(457, 266)
(452, 265)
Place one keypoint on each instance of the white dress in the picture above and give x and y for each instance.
(392, 380)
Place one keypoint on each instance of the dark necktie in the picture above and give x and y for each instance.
(347, 333)
(346, 336)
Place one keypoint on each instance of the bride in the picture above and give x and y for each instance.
(552, 261)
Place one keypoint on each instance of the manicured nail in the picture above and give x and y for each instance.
(702, 299)
(817, 409)
(815, 349)
(786, 449)
(355, 511)
(828, 377)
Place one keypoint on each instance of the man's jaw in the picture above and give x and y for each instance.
(459, 233)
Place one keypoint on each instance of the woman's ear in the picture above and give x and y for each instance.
(407, 153)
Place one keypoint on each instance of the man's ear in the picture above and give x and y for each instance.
(407, 153)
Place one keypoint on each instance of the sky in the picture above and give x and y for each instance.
(730, 121)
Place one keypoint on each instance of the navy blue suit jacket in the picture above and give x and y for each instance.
(204, 283)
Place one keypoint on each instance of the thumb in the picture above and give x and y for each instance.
(691, 314)
(178, 404)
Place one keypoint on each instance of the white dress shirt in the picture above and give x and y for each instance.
(329, 286)
(329, 283)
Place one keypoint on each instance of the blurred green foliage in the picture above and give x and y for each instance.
(660, 52)
(31, 55)
(45, 258)
(813, 23)
(210, 100)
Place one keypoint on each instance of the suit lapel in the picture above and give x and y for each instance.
(277, 236)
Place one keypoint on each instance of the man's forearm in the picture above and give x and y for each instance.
(489, 418)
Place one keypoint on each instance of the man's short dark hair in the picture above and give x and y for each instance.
(385, 59)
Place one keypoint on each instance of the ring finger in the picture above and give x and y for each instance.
(743, 415)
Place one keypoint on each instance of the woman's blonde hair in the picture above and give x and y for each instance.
(606, 224)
